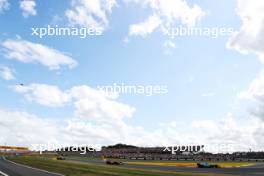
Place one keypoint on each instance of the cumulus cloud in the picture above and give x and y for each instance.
(95, 13)
(4, 5)
(21, 128)
(25, 129)
(249, 38)
(6, 73)
(255, 93)
(225, 135)
(166, 14)
(100, 120)
(94, 104)
(28, 52)
(92, 13)
(47, 95)
(255, 90)
(230, 133)
(28, 8)
(146, 27)
(89, 103)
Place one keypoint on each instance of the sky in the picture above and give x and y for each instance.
(53, 87)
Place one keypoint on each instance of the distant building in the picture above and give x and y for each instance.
(13, 149)
(146, 153)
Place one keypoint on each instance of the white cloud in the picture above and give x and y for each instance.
(236, 135)
(21, 128)
(28, 7)
(126, 40)
(94, 104)
(166, 14)
(256, 89)
(249, 38)
(6, 73)
(47, 95)
(169, 44)
(29, 52)
(4, 5)
(90, 104)
(255, 93)
(168, 47)
(146, 27)
(95, 13)
(92, 13)
(17, 128)
(101, 121)
(25, 129)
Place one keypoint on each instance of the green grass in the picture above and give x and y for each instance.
(84, 169)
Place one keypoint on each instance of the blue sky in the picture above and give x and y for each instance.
(203, 76)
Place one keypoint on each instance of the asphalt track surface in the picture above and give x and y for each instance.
(12, 169)
(8, 168)
(256, 170)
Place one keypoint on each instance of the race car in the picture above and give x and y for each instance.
(60, 157)
(110, 162)
(207, 165)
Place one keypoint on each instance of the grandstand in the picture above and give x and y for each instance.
(13, 149)
(123, 151)
(147, 153)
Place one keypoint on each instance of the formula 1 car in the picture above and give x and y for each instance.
(60, 158)
(207, 165)
(110, 162)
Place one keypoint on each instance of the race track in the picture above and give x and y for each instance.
(8, 168)
(255, 170)
(13, 169)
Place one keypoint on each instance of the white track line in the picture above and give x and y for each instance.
(2, 173)
(31, 168)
